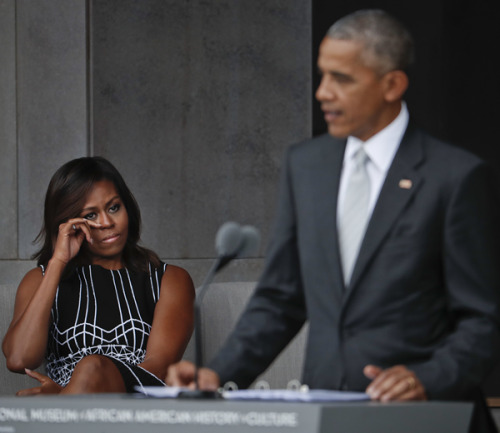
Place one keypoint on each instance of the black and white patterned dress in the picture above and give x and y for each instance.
(110, 313)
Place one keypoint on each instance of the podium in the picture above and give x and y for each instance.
(128, 413)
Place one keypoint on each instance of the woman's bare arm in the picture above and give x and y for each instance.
(172, 323)
(25, 342)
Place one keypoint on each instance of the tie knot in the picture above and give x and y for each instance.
(360, 157)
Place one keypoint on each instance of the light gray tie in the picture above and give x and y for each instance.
(354, 217)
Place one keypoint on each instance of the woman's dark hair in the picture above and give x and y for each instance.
(65, 198)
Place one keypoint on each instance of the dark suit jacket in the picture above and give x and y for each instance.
(425, 288)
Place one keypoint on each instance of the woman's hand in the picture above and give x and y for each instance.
(71, 236)
(47, 385)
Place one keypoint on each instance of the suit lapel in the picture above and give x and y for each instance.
(400, 185)
(328, 179)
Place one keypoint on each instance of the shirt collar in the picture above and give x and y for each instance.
(382, 147)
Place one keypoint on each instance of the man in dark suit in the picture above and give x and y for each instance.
(386, 241)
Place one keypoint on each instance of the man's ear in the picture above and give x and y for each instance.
(396, 83)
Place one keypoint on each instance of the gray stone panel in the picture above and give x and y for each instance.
(52, 100)
(8, 173)
(195, 102)
(13, 271)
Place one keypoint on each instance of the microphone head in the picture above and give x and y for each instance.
(229, 239)
(250, 242)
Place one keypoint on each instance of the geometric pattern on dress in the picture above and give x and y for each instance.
(82, 331)
(138, 381)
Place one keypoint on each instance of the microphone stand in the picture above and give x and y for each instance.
(197, 393)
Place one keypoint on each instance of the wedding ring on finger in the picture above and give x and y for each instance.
(411, 383)
(74, 227)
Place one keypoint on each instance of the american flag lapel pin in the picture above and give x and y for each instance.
(405, 183)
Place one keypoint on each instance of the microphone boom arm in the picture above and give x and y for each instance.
(232, 241)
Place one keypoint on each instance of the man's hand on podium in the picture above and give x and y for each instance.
(182, 375)
(395, 383)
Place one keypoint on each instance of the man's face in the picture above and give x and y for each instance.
(351, 93)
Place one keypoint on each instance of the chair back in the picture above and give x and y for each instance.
(221, 307)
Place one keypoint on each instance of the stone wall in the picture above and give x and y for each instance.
(194, 102)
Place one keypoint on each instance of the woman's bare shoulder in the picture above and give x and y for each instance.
(32, 278)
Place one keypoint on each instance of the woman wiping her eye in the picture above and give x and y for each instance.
(103, 312)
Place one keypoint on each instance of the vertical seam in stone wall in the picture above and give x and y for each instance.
(314, 68)
(16, 117)
(89, 78)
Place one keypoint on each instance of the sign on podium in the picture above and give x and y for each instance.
(128, 413)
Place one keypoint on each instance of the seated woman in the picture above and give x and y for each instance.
(106, 313)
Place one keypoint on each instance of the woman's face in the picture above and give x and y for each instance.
(104, 206)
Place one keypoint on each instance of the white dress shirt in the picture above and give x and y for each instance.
(381, 149)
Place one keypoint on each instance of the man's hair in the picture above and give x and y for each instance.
(387, 44)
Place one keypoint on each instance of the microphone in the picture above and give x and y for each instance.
(231, 241)
(235, 241)
(228, 239)
(251, 241)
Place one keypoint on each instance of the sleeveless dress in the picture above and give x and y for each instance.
(104, 312)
